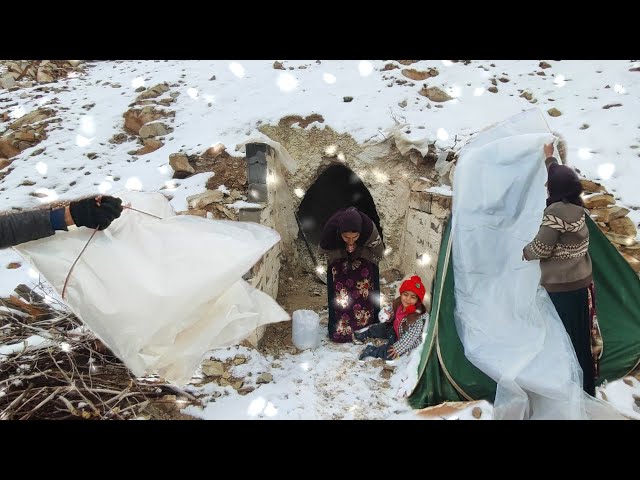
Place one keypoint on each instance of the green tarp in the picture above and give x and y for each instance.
(445, 374)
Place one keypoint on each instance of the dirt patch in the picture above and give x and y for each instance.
(229, 171)
(299, 290)
(303, 122)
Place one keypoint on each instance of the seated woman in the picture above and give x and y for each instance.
(354, 248)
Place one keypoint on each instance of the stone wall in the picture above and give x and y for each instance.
(267, 186)
(426, 220)
(613, 221)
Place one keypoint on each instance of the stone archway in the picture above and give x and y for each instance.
(337, 187)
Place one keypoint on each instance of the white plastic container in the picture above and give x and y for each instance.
(305, 331)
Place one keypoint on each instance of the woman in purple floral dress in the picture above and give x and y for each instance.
(354, 248)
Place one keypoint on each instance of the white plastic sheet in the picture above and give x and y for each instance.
(505, 319)
(161, 292)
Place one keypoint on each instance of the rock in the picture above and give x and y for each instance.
(4, 163)
(278, 65)
(196, 213)
(554, 112)
(224, 382)
(611, 105)
(608, 214)
(347, 99)
(27, 135)
(239, 360)
(213, 368)
(118, 138)
(598, 200)
(503, 79)
(264, 378)
(180, 163)
(541, 74)
(32, 117)
(215, 151)
(155, 129)
(493, 89)
(527, 95)
(633, 262)
(592, 187)
(150, 145)
(435, 94)
(632, 255)
(237, 384)
(7, 82)
(7, 148)
(476, 412)
(201, 200)
(139, 89)
(246, 389)
(14, 265)
(135, 119)
(389, 66)
(584, 126)
(402, 104)
(43, 77)
(628, 381)
(153, 92)
(623, 226)
(544, 65)
(419, 75)
(227, 213)
(622, 240)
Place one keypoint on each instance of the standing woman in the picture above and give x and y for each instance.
(354, 248)
(562, 245)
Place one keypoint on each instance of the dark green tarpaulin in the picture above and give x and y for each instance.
(445, 374)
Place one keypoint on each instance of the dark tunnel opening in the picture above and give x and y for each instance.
(337, 187)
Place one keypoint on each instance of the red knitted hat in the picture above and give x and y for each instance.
(415, 285)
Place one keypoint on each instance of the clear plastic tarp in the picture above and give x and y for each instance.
(505, 319)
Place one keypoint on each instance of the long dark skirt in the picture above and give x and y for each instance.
(573, 309)
(353, 291)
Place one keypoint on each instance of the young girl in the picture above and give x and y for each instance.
(404, 328)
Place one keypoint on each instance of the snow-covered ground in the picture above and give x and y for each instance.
(226, 101)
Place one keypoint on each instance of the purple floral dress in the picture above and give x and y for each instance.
(353, 291)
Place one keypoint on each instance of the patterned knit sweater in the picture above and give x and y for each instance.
(562, 245)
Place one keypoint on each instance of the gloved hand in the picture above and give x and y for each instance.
(96, 212)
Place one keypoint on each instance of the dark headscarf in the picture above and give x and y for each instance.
(345, 220)
(350, 221)
(564, 185)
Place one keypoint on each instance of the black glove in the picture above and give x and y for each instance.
(87, 213)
